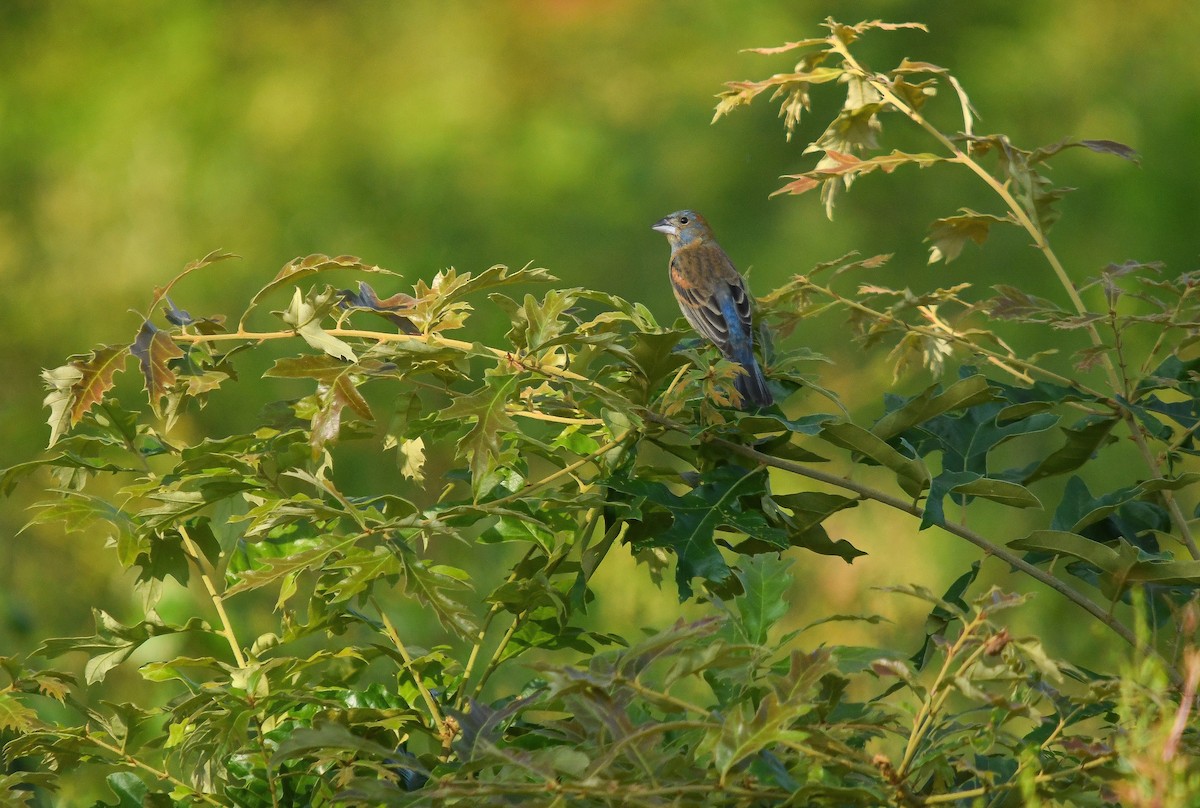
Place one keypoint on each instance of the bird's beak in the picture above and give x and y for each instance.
(664, 226)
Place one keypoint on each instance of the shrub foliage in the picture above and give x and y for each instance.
(594, 426)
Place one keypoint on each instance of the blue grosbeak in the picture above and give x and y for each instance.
(713, 297)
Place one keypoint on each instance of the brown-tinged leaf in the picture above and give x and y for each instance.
(799, 185)
(56, 686)
(848, 167)
(910, 66)
(951, 234)
(154, 349)
(212, 258)
(787, 46)
(333, 398)
(849, 33)
(79, 385)
(795, 84)
(1014, 303)
(321, 367)
(299, 268)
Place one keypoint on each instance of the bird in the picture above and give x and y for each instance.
(713, 297)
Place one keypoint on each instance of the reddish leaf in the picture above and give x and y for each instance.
(334, 398)
(799, 185)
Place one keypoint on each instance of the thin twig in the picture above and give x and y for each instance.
(226, 626)
(563, 472)
(434, 712)
(130, 760)
(935, 699)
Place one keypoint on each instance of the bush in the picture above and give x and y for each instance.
(595, 426)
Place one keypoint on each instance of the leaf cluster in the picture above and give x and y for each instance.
(504, 476)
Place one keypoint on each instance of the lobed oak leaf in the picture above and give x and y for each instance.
(154, 349)
(950, 235)
(80, 385)
(304, 317)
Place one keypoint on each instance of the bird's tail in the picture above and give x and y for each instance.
(752, 385)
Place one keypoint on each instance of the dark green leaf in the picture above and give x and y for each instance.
(911, 474)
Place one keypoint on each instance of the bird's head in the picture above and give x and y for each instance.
(683, 227)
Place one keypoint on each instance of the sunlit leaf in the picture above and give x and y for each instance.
(80, 385)
(305, 318)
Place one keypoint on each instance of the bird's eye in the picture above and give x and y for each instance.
(683, 220)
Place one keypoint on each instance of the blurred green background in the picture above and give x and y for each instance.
(137, 136)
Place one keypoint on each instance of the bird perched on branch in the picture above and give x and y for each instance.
(713, 297)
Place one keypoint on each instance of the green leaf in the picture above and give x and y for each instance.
(1001, 491)
(809, 510)
(763, 602)
(748, 730)
(689, 523)
(969, 484)
(299, 268)
(328, 735)
(1061, 542)
(277, 569)
(1101, 507)
(452, 286)
(432, 586)
(483, 443)
(941, 618)
(15, 716)
(130, 790)
(911, 474)
(950, 235)
(966, 439)
(1083, 440)
(934, 401)
(304, 317)
(536, 322)
(1099, 146)
(1123, 565)
(113, 642)
(655, 357)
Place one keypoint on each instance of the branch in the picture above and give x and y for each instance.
(1040, 241)
(430, 701)
(989, 547)
(226, 626)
